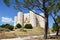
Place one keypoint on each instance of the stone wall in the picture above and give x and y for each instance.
(31, 18)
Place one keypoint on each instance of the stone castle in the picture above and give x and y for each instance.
(29, 18)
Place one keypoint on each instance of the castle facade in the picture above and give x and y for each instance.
(29, 18)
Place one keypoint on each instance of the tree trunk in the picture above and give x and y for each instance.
(46, 26)
(46, 19)
(57, 32)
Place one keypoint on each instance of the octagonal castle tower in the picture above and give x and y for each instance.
(40, 20)
(33, 19)
(30, 18)
(20, 18)
(15, 21)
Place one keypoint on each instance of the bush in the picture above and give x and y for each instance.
(7, 26)
(18, 26)
(10, 27)
(3, 25)
(54, 28)
(28, 26)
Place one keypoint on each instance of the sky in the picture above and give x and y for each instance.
(7, 15)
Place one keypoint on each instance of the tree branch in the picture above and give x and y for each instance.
(39, 2)
(50, 6)
(36, 6)
(35, 12)
(55, 23)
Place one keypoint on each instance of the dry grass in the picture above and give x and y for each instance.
(17, 32)
(7, 35)
(36, 30)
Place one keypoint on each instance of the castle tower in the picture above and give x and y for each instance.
(26, 18)
(20, 18)
(15, 21)
(42, 21)
(32, 19)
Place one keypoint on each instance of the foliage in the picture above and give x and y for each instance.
(3, 25)
(7, 2)
(7, 26)
(54, 25)
(18, 26)
(58, 19)
(23, 30)
(28, 26)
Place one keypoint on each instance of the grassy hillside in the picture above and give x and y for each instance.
(18, 32)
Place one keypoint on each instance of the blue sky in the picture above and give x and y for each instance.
(7, 15)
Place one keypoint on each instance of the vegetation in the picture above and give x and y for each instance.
(7, 26)
(58, 19)
(18, 26)
(55, 28)
(28, 26)
(27, 32)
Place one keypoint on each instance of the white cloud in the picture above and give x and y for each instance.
(6, 20)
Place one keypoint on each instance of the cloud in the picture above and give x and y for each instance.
(6, 19)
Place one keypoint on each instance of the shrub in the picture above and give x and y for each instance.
(7, 26)
(10, 27)
(54, 28)
(23, 30)
(18, 26)
(3, 25)
(28, 26)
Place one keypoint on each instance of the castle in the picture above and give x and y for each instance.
(29, 18)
